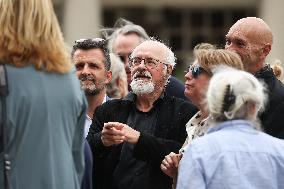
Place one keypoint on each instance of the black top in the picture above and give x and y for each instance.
(168, 135)
(130, 170)
(175, 88)
(271, 118)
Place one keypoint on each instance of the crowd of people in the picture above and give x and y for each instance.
(110, 114)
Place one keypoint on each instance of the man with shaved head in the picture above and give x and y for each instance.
(252, 39)
(129, 137)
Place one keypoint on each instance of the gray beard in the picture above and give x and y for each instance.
(141, 87)
(91, 90)
(92, 93)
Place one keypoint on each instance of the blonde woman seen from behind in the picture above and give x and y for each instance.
(45, 106)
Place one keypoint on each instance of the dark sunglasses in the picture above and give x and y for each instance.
(195, 71)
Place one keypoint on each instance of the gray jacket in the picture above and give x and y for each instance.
(46, 114)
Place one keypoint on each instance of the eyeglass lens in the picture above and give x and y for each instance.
(149, 62)
(195, 71)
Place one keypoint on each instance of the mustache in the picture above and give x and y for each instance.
(86, 78)
(142, 74)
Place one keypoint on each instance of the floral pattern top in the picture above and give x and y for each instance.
(195, 127)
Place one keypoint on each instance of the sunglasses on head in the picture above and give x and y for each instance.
(195, 71)
(94, 40)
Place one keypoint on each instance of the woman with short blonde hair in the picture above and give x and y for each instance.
(234, 153)
(198, 75)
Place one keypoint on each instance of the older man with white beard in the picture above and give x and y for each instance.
(129, 137)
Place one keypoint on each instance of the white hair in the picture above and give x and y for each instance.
(231, 91)
(170, 56)
(118, 72)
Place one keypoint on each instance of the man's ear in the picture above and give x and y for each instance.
(266, 50)
(169, 69)
(108, 76)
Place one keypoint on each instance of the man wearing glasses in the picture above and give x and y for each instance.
(92, 62)
(124, 39)
(129, 137)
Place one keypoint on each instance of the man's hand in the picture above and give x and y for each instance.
(116, 133)
(131, 135)
(112, 133)
(170, 164)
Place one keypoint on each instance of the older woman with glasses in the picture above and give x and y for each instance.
(197, 76)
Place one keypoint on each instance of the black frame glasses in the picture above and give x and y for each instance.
(149, 62)
(195, 71)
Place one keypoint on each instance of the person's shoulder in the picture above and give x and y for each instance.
(180, 102)
(279, 87)
(182, 107)
(276, 92)
(175, 88)
(113, 104)
(204, 146)
(176, 81)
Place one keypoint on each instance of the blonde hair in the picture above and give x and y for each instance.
(208, 57)
(277, 67)
(30, 34)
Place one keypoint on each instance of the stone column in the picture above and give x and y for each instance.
(271, 11)
(81, 19)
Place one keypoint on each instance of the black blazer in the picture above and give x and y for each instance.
(176, 88)
(272, 118)
(169, 136)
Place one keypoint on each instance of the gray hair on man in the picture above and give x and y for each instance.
(117, 88)
(170, 56)
(233, 94)
(125, 27)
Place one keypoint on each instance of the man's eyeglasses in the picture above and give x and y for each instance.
(195, 71)
(150, 63)
(94, 40)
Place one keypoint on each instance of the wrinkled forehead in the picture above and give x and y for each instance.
(151, 49)
(251, 31)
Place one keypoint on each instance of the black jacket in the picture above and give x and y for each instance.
(175, 88)
(272, 117)
(169, 136)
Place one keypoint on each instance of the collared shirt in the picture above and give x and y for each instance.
(233, 155)
(195, 127)
(88, 121)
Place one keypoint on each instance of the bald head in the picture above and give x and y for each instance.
(252, 39)
(255, 29)
(158, 49)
